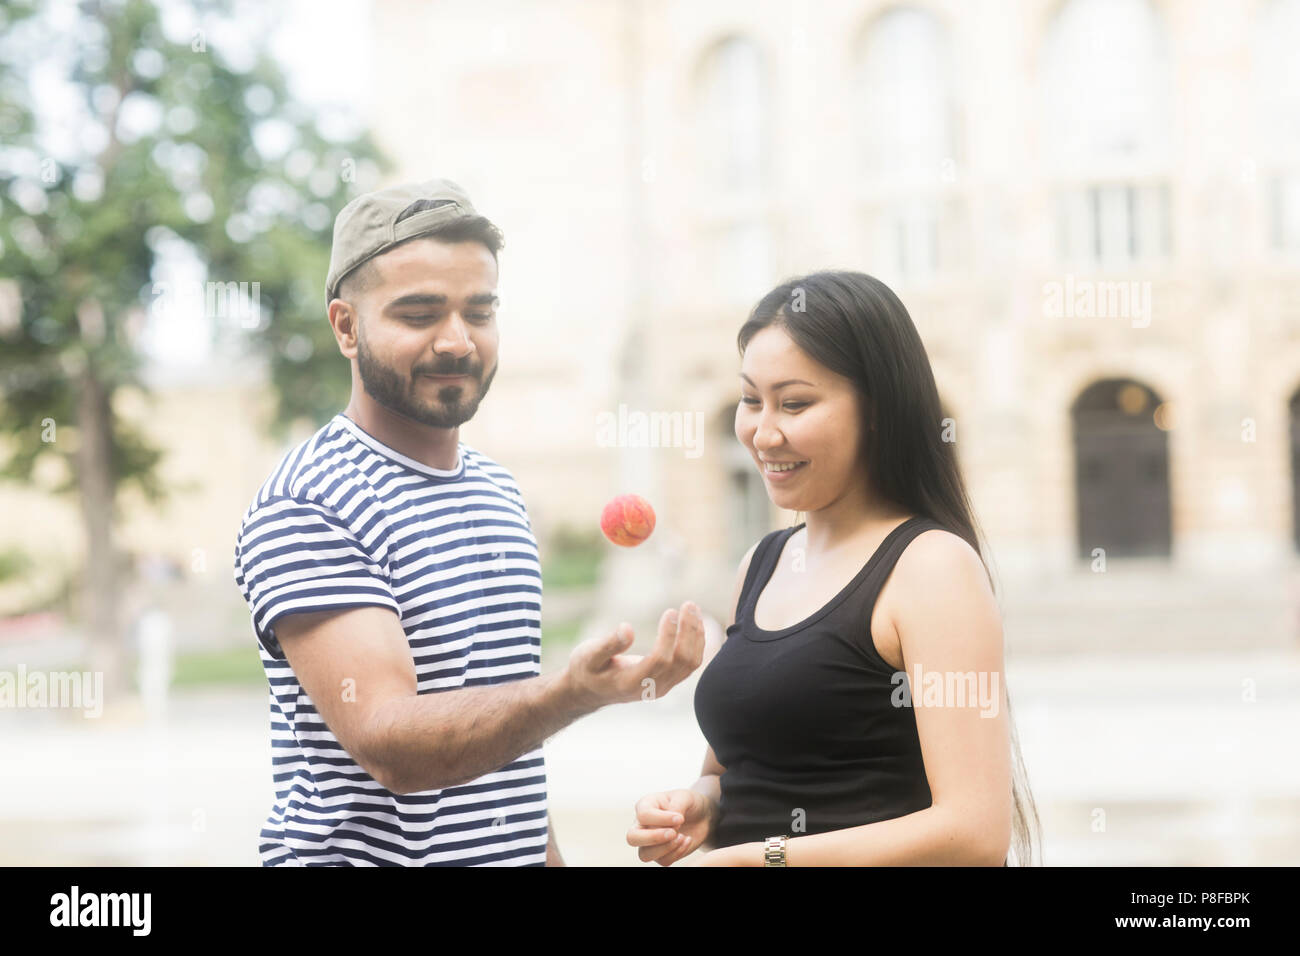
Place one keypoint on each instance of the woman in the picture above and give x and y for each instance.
(818, 754)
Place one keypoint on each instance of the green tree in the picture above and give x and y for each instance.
(190, 142)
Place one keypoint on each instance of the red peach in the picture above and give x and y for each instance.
(627, 520)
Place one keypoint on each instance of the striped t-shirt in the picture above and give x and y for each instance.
(345, 521)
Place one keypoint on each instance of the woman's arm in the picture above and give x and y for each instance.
(951, 636)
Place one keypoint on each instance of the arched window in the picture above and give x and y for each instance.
(1122, 470)
(1105, 128)
(731, 123)
(909, 142)
(733, 149)
(1276, 80)
(907, 95)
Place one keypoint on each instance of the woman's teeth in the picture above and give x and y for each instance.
(782, 466)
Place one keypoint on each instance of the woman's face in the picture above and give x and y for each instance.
(794, 411)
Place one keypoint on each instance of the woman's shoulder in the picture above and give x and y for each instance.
(937, 549)
(942, 589)
(936, 555)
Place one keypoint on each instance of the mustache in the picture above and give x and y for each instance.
(453, 367)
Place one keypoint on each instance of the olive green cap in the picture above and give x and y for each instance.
(374, 222)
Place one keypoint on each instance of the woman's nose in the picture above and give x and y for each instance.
(767, 435)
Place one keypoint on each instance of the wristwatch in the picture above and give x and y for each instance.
(774, 851)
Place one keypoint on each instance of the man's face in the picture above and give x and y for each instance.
(427, 333)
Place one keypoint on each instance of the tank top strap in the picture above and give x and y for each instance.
(761, 565)
(891, 549)
(854, 614)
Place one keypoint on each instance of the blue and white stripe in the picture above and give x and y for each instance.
(345, 521)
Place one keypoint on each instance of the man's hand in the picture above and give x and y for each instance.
(599, 673)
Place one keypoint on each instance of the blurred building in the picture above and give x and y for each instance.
(1091, 209)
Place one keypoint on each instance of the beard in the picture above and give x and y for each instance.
(451, 407)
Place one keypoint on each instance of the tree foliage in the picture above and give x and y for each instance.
(151, 139)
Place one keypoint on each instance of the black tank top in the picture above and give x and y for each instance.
(802, 718)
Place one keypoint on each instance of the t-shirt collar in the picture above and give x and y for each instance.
(374, 443)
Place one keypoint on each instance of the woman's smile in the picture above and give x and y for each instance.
(782, 471)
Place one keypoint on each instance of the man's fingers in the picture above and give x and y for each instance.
(679, 646)
(687, 650)
(689, 647)
(665, 637)
(612, 645)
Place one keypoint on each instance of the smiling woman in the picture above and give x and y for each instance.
(814, 756)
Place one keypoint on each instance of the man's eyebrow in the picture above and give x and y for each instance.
(788, 381)
(431, 299)
(416, 299)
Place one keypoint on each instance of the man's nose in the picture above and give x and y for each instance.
(453, 337)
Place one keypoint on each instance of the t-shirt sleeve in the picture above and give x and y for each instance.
(512, 490)
(295, 556)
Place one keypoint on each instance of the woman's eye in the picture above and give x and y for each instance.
(788, 406)
(479, 316)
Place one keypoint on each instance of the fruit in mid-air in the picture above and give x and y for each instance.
(627, 520)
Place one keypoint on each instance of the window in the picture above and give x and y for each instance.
(905, 88)
(1276, 78)
(907, 96)
(731, 141)
(731, 123)
(1105, 129)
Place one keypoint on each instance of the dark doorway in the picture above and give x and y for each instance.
(1121, 454)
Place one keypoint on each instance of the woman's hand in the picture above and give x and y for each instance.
(671, 824)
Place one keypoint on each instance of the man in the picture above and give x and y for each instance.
(394, 584)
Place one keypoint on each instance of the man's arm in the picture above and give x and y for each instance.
(356, 666)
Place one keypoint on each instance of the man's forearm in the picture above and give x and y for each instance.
(432, 741)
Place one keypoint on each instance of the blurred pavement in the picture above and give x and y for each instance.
(1181, 768)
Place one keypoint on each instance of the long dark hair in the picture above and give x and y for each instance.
(854, 325)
